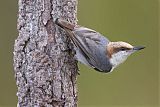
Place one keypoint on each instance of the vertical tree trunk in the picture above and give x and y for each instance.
(45, 69)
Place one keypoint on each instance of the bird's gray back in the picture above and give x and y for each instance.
(96, 45)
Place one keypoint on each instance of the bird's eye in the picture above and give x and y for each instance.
(123, 49)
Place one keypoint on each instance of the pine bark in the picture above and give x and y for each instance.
(44, 64)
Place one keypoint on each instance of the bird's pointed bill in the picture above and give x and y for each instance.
(136, 48)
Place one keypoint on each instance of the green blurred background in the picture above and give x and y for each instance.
(133, 84)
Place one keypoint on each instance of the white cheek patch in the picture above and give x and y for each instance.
(119, 58)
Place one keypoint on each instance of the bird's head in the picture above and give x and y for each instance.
(119, 51)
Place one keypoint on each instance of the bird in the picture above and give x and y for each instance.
(95, 50)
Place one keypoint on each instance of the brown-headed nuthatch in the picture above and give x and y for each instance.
(94, 50)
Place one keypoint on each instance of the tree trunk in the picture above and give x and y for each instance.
(45, 69)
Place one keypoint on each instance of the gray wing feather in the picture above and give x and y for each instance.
(95, 44)
(79, 44)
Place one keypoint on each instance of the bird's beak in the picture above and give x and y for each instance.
(137, 48)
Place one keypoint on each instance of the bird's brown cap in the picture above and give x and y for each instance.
(114, 47)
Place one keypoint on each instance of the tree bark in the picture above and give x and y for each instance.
(44, 64)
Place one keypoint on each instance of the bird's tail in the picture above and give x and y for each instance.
(64, 24)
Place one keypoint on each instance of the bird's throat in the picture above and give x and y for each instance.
(117, 59)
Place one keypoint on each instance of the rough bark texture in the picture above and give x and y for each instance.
(45, 69)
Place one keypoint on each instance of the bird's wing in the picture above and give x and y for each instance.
(90, 35)
(69, 28)
(95, 43)
(78, 43)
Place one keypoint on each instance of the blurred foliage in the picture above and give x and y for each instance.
(132, 84)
